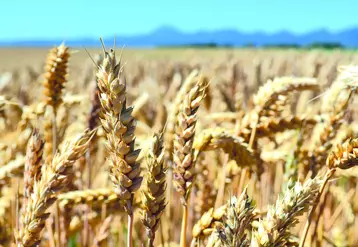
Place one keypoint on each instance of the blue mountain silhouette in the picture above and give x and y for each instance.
(168, 36)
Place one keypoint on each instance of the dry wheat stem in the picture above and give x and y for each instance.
(49, 134)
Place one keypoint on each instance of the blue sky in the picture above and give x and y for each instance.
(66, 19)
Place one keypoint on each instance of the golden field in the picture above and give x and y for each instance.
(178, 147)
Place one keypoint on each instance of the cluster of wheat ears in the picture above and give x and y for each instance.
(191, 161)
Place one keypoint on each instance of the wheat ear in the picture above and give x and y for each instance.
(33, 163)
(273, 230)
(236, 222)
(54, 83)
(183, 151)
(169, 134)
(56, 75)
(235, 147)
(269, 96)
(154, 188)
(54, 178)
(119, 125)
(344, 157)
(270, 126)
(334, 107)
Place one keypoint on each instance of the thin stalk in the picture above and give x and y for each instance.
(161, 233)
(191, 212)
(169, 196)
(17, 210)
(51, 234)
(242, 181)
(86, 224)
(220, 196)
(253, 133)
(339, 210)
(54, 149)
(149, 243)
(89, 168)
(329, 241)
(327, 176)
(320, 212)
(130, 230)
(85, 233)
(184, 226)
(57, 224)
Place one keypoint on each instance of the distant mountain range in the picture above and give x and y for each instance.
(168, 36)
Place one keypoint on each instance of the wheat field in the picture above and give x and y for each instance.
(178, 147)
